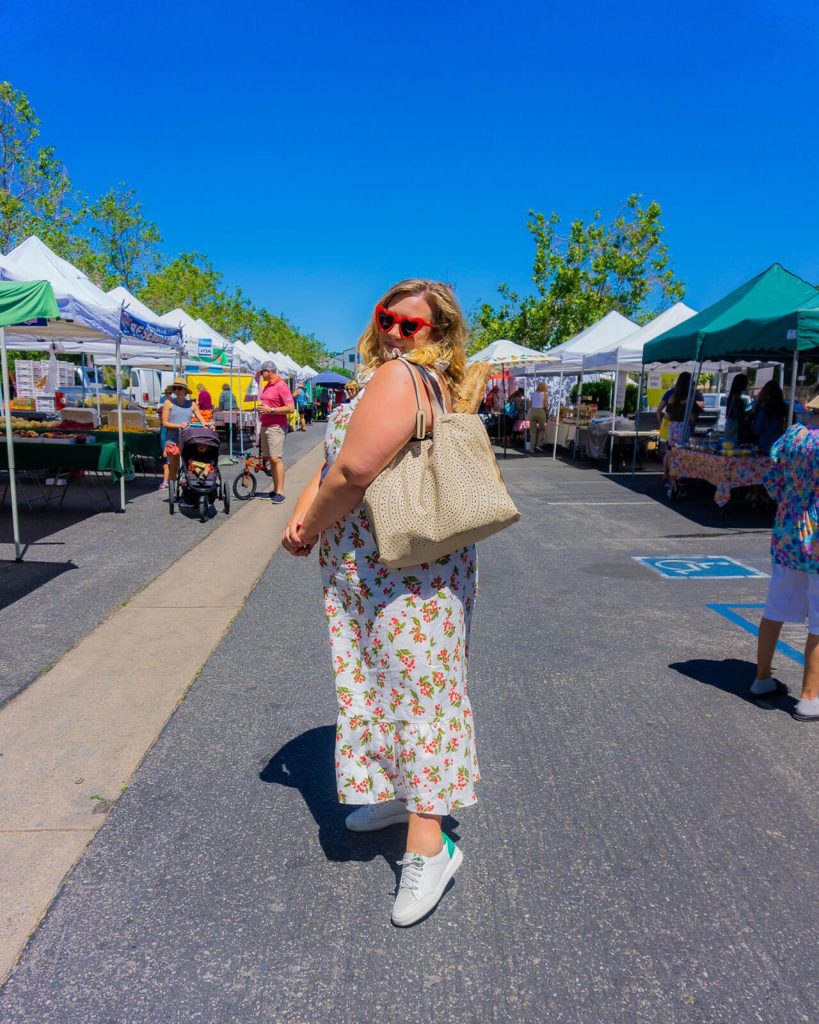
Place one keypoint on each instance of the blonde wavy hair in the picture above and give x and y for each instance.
(448, 344)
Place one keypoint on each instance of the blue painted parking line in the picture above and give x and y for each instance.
(729, 612)
(700, 567)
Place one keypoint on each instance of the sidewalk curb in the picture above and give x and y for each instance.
(71, 741)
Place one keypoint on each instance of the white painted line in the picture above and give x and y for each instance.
(600, 503)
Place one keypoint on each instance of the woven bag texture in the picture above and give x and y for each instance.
(439, 494)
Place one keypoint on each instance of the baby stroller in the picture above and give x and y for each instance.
(199, 482)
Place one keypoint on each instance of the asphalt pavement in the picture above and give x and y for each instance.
(80, 563)
(643, 850)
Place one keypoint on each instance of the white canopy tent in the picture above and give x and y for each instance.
(509, 355)
(88, 316)
(606, 334)
(290, 366)
(506, 353)
(307, 372)
(627, 354)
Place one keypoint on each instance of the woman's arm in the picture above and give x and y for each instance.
(166, 405)
(291, 540)
(383, 422)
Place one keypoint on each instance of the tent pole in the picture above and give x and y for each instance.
(230, 410)
(637, 421)
(18, 548)
(559, 403)
(119, 425)
(613, 415)
(97, 389)
(689, 404)
(794, 372)
(504, 417)
(577, 413)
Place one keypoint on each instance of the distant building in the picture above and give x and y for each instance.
(349, 359)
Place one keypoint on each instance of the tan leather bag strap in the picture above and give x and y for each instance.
(434, 396)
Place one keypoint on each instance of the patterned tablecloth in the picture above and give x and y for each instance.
(725, 472)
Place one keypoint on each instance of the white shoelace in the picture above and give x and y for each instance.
(413, 869)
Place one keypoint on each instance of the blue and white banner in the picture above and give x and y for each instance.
(131, 326)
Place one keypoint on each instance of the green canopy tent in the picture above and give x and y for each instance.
(20, 301)
(722, 332)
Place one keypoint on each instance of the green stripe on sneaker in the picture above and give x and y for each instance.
(450, 846)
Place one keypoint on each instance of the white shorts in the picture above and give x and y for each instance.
(793, 596)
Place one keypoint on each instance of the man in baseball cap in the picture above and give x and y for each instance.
(275, 403)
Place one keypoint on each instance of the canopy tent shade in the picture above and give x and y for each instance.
(773, 337)
(627, 354)
(307, 372)
(504, 352)
(329, 378)
(31, 300)
(290, 366)
(773, 293)
(605, 334)
(80, 301)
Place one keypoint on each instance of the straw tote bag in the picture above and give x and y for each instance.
(439, 493)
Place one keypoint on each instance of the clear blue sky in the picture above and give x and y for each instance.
(317, 152)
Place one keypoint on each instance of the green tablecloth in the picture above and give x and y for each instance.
(137, 444)
(102, 458)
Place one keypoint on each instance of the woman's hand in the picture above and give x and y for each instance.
(294, 539)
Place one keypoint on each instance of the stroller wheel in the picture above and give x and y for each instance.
(226, 499)
(244, 486)
(203, 508)
(171, 496)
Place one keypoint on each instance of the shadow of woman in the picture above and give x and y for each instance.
(731, 675)
(305, 763)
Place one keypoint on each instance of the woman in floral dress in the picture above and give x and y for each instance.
(399, 638)
(793, 593)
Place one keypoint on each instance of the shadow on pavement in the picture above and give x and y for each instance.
(17, 579)
(306, 764)
(731, 675)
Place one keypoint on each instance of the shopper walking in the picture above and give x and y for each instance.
(275, 405)
(539, 403)
(793, 593)
(399, 638)
(177, 413)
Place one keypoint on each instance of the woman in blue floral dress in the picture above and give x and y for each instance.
(793, 593)
(405, 744)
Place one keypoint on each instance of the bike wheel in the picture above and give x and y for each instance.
(203, 508)
(171, 497)
(244, 486)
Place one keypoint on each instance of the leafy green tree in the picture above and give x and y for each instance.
(36, 195)
(597, 267)
(123, 246)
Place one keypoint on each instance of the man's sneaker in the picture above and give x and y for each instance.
(277, 499)
(423, 881)
(372, 817)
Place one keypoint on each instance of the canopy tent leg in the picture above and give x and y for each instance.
(559, 404)
(577, 414)
(794, 377)
(637, 421)
(18, 547)
(119, 426)
(613, 416)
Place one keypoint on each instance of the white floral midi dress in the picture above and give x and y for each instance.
(399, 640)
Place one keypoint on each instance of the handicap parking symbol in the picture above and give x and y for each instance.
(700, 567)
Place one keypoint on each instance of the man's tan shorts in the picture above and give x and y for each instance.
(272, 442)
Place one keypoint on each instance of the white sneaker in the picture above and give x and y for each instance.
(372, 817)
(423, 881)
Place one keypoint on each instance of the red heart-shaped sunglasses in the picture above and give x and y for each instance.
(409, 326)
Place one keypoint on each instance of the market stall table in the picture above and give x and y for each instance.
(32, 455)
(725, 472)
